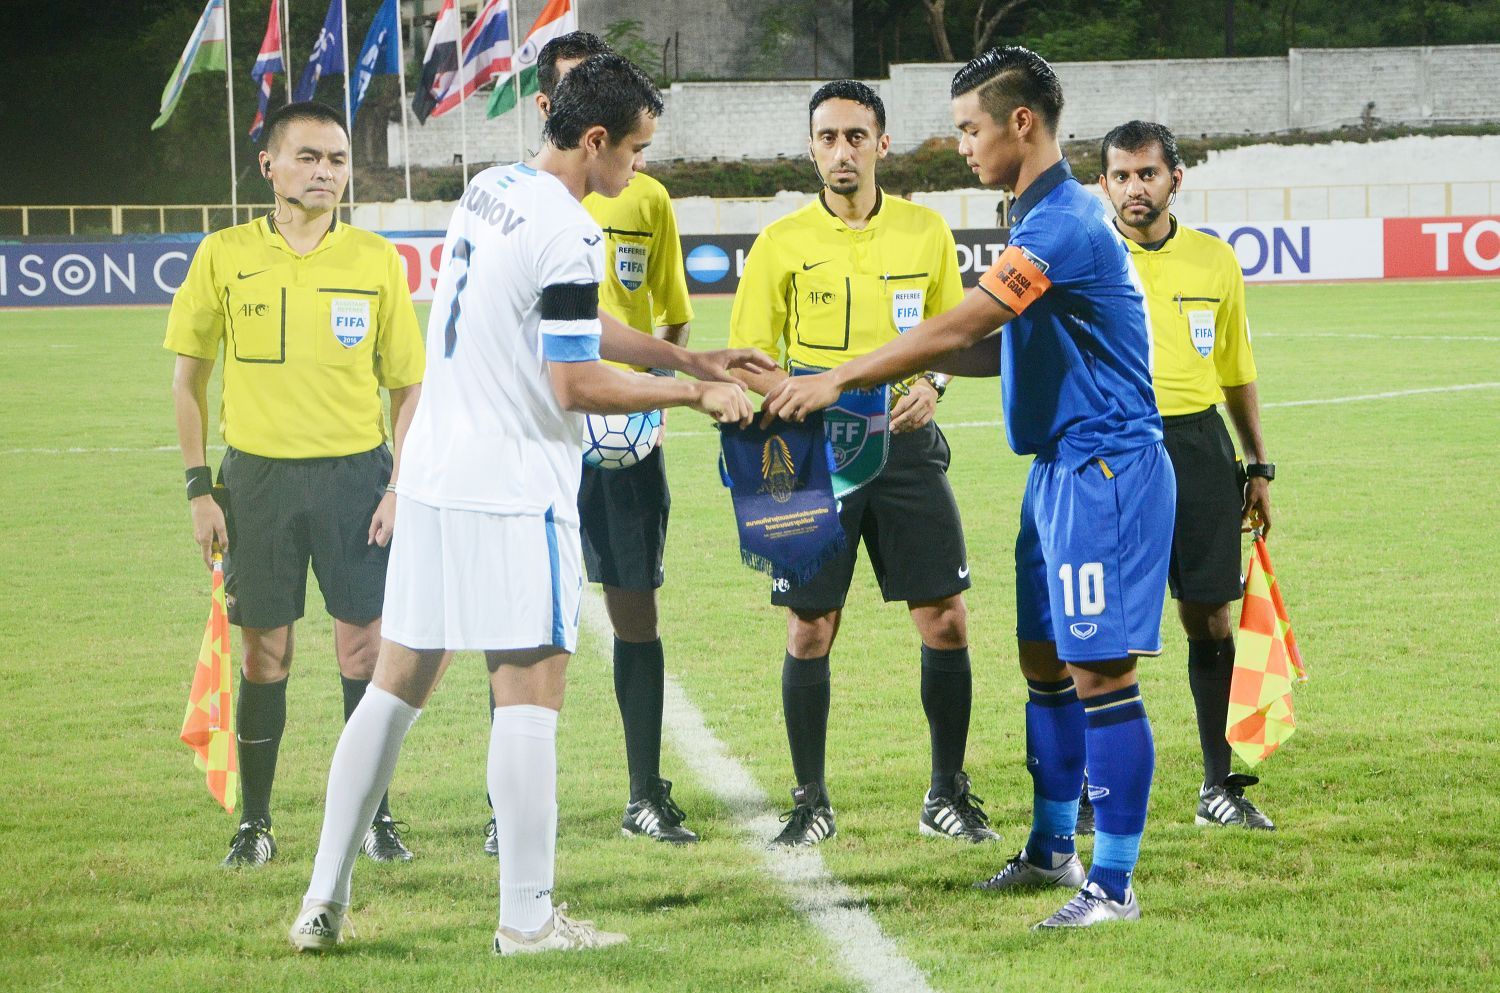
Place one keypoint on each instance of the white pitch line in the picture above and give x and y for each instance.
(866, 952)
(1375, 337)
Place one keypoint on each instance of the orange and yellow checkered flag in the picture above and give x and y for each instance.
(208, 725)
(1260, 695)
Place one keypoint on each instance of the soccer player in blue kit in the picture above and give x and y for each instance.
(1074, 355)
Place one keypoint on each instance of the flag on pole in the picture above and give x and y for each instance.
(439, 65)
(267, 64)
(379, 56)
(556, 19)
(327, 53)
(1265, 660)
(486, 55)
(208, 725)
(205, 50)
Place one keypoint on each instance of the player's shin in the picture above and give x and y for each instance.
(1121, 761)
(1055, 754)
(363, 764)
(522, 775)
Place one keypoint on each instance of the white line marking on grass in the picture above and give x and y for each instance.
(1376, 337)
(867, 954)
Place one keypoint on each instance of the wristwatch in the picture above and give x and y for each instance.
(1261, 470)
(938, 380)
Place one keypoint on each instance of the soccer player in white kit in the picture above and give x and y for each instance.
(487, 553)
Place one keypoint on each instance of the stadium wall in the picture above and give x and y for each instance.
(1308, 89)
(149, 272)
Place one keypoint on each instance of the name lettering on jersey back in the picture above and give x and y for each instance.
(492, 210)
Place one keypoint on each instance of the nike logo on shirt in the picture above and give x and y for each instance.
(247, 275)
(806, 266)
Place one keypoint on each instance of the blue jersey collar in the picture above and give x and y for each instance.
(1039, 188)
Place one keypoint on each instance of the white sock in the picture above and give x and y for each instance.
(523, 787)
(363, 764)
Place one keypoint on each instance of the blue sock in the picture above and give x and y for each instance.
(1121, 760)
(1055, 759)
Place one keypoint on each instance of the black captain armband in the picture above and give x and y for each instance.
(200, 481)
(570, 302)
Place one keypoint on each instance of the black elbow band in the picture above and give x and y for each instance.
(570, 302)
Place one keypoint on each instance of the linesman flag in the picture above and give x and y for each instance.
(267, 64)
(556, 19)
(327, 53)
(1260, 694)
(205, 50)
(439, 64)
(378, 56)
(487, 52)
(208, 725)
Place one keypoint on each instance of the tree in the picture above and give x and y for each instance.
(989, 15)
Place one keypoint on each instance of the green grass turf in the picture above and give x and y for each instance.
(1381, 876)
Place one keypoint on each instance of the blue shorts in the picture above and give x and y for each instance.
(1093, 553)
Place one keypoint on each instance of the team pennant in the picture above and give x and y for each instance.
(1266, 664)
(208, 725)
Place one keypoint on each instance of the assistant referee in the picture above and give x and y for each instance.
(1196, 295)
(313, 317)
(834, 280)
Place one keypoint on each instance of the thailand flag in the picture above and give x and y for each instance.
(439, 65)
(487, 53)
(267, 64)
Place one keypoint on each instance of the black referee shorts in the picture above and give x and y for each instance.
(1210, 496)
(909, 523)
(622, 517)
(285, 512)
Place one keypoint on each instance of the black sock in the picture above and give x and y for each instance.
(259, 723)
(639, 676)
(354, 691)
(804, 702)
(1210, 670)
(947, 696)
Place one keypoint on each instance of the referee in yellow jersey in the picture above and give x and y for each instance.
(623, 512)
(1196, 296)
(313, 317)
(834, 280)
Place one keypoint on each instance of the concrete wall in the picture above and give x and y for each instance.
(1311, 88)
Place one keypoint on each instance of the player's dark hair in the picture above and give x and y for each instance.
(1137, 136)
(1009, 77)
(308, 110)
(848, 89)
(565, 48)
(605, 90)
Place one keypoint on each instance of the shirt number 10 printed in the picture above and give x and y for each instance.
(1090, 592)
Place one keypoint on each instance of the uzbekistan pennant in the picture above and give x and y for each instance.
(208, 725)
(1266, 658)
(781, 483)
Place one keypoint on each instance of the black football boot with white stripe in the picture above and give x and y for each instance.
(960, 816)
(809, 821)
(253, 844)
(1226, 806)
(656, 816)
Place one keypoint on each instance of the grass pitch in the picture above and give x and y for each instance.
(1381, 876)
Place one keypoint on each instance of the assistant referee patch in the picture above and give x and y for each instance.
(570, 302)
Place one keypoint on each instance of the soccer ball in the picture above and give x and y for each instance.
(619, 441)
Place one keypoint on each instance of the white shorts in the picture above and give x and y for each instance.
(468, 580)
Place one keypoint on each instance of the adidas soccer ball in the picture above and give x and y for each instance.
(619, 441)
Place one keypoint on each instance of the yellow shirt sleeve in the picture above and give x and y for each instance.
(401, 357)
(195, 325)
(947, 285)
(1233, 361)
(758, 319)
(666, 278)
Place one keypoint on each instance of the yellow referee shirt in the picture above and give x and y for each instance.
(820, 293)
(646, 285)
(1196, 296)
(308, 340)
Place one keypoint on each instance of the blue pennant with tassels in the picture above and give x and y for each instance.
(780, 479)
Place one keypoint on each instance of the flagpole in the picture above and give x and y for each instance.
(401, 76)
(348, 116)
(463, 114)
(286, 45)
(234, 179)
(515, 79)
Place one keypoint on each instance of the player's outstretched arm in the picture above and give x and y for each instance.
(595, 388)
(921, 348)
(190, 400)
(618, 342)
